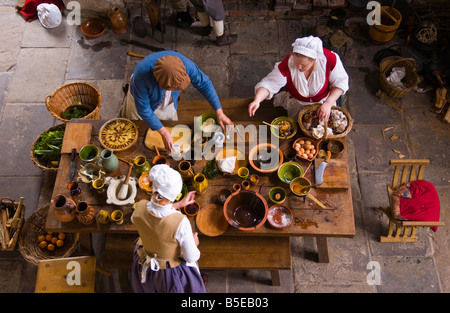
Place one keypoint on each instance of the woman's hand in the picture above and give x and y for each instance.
(252, 107)
(196, 238)
(189, 199)
(167, 138)
(324, 111)
(223, 119)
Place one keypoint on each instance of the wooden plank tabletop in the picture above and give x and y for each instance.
(308, 220)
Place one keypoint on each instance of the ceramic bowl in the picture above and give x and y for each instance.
(297, 184)
(288, 171)
(277, 195)
(265, 158)
(279, 216)
(202, 118)
(335, 146)
(90, 172)
(223, 195)
(280, 119)
(93, 27)
(245, 210)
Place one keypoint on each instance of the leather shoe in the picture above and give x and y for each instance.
(226, 40)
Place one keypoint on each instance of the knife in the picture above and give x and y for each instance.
(321, 169)
(72, 165)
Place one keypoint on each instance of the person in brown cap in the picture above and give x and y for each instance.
(155, 87)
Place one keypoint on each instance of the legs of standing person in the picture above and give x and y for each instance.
(214, 9)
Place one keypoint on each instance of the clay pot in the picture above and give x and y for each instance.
(85, 213)
(63, 208)
(118, 20)
(245, 210)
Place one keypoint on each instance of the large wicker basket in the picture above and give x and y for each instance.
(29, 245)
(314, 108)
(410, 81)
(72, 94)
(33, 157)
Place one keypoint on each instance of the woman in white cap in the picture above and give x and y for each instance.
(165, 256)
(311, 74)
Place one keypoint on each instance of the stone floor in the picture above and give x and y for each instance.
(36, 61)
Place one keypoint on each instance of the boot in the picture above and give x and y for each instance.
(225, 40)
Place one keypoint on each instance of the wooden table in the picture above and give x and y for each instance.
(263, 248)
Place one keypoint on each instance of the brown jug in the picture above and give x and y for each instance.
(118, 20)
(63, 208)
(85, 213)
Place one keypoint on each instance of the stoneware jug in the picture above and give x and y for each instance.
(85, 213)
(63, 208)
(140, 165)
(200, 183)
(108, 161)
(118, 20)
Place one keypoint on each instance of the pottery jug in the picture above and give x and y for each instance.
(108, 161)
(200, 183)
(85, 213)
(186, 170)
(118, 20)
(140, 165)
(63, 208)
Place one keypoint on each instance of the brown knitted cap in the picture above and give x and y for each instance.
(170, 73)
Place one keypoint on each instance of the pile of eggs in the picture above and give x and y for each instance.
(305, 149)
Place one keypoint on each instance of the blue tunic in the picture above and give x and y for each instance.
(148, 94)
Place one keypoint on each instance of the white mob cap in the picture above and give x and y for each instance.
(49, 15)
(308, 46)
(166, 181)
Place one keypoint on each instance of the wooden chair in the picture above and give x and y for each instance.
(59, 275)
(404, 230)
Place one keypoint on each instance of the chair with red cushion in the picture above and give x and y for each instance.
(414, 202)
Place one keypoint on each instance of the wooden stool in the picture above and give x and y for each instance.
(67, 275)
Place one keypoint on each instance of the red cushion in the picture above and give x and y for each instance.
(424, 204)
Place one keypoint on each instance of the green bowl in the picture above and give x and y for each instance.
(288, 171)
(202, 118)
(184, 192)
(277, 190)
(277, 121)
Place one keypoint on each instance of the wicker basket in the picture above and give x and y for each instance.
(33, 157)
(15, 229)
(68, 95)
(411, 79)
(28, 243)
(315, 107)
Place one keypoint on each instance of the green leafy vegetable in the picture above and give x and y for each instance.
(47, 149)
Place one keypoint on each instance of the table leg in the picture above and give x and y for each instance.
(276, 279)
(322, 249)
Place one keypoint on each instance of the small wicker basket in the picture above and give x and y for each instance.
(33, 157)
(315, 107)
(29, 245)
(411, 80)
(69, 95)
(16, 226)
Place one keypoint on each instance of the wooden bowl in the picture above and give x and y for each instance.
(314, 142)
(265, 166)
(93, 27)
(245, 210)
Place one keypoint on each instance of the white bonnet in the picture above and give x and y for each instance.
(166, 181)
(308, 46)
(49, 15)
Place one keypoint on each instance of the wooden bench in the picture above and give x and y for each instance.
(260, 253)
